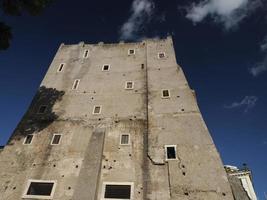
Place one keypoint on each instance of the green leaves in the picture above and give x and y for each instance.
(5, 36)
(18, 8)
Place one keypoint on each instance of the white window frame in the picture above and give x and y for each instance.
(161, 53)
(166, 155)
(38, 112)
(131, 53)
(129, 139)
(126, 88)
(51, 143)
(59, 67)
(26, 138)
(166, 97)
(99, 110)
(26, 196)
(116, 183)
(77, 84)
(104, 66)
(86, 53)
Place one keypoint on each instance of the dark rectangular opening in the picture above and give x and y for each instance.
(165, 93)
(161, 55)
(125, 139)
(75, 85)
(42, 109)
(86, 53)
(131, 51)
(28, 139)
(129, 85)
(56, 139)
(61, 67)
(118, 191)
(106, 67)
(97, 109)
(40, 189)
(171, 153)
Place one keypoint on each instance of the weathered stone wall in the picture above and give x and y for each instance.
(90, 153)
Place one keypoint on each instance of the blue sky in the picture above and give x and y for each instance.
(220, 44)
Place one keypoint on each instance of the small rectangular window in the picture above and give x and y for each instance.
(170, 151)
(56, 139)
(125, 139)
(97, 110)
(42, 109)
(86, 53)
(165, 94)
(60, 68)
(161, 55)
(76, 84)
(131, 52)
(118, 190)
(39, 189)
(105, 67)
(28, 139)
(129, 85)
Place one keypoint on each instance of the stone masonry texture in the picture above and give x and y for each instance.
(89, 154)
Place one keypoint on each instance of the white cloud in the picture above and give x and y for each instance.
(247, 102)
(262, 66)
(259, 68)
(142, 11)
(264, 44)
(229, 13)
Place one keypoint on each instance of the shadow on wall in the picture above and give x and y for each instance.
(40, 113)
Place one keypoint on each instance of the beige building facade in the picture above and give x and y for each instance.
(113, 121)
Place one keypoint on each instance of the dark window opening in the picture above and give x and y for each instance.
(42, 109)
(56, 139)
(97, 109)
(61, 67)
(165, 93)
(161, 55)
(125, 139)
(86, 54)
(129, 85)
(171, 153)
(105, 67)
(118, 191)
(75, 84)
(28, 139)
(40, 188)
(131, 51)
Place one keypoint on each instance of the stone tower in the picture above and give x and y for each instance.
(113, 121)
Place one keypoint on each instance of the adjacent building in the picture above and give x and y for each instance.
(241, 183)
